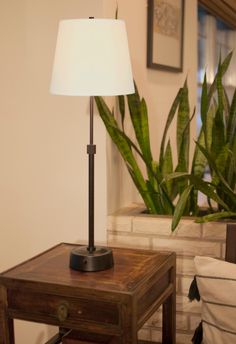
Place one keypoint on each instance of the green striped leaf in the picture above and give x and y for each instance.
(218, 129)
(223, 67)
(199, 160)
(204, 107)
(121, 102)
(169, 120)
(211, 161)
(135, 115)
(145, 131)
(167, 167)
(139, 118)
(125, 150)
(218, 138)
(182, 133)
(147, 197)
(156, 197)
(205, 187)
(231, 127)
(220, 163)
(180, 207)
(208, 189)
(231, 167)
(216, 216)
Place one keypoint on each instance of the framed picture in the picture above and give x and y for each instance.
(165, 33)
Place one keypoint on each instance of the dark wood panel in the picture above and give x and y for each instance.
(76, 337)
(6, 324)
(63, 309)
(230, 255)
(223, 9)
(152, 293)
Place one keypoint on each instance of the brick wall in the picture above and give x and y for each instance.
(128, 227)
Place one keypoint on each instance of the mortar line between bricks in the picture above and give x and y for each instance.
(168, 237)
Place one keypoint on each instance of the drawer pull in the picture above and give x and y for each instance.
(62, 311)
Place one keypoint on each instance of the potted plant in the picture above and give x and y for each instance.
(163, 183)
(219, 148)
(172, 190)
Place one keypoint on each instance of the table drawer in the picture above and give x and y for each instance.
(62, 310)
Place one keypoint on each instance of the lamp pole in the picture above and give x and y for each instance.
(91, 150)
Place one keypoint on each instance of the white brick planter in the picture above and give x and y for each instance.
(130, 227)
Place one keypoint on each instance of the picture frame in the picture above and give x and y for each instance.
(165, 35)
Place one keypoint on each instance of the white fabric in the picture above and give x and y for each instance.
(216, 282)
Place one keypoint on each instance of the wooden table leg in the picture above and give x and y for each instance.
(169, 314)
(128, 339)
(168, 321)
(128, 326)
(6, 324)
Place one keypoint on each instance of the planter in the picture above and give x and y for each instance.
(130, 227)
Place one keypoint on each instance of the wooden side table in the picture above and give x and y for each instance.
(115, 302)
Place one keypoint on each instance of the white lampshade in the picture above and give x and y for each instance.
(92, 59)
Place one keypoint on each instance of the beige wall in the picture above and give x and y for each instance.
(43, 138)
(157, 87)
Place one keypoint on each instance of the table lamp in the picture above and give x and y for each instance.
(91, 59)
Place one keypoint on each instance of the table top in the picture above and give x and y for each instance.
(131, 267)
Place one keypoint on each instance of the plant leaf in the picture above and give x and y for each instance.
(167, 167)
(218, 138)
(148, 198)
(224, 67)
(208, 189)
(205, 187)
(231, 168)
(176, 175)
(226, 104)
(216, 216)
(231, 127)
(169, 120)
(156, 197)
(121, 102)
(182, 134)
(125, 150)
(220, 162)
(145, 131)
(211, 162)
(180, 207)
(204, 107)
(139, 118)
(199, 160)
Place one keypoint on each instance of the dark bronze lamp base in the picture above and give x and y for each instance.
(100, 259)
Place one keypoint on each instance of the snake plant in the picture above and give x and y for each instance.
(162, 183)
